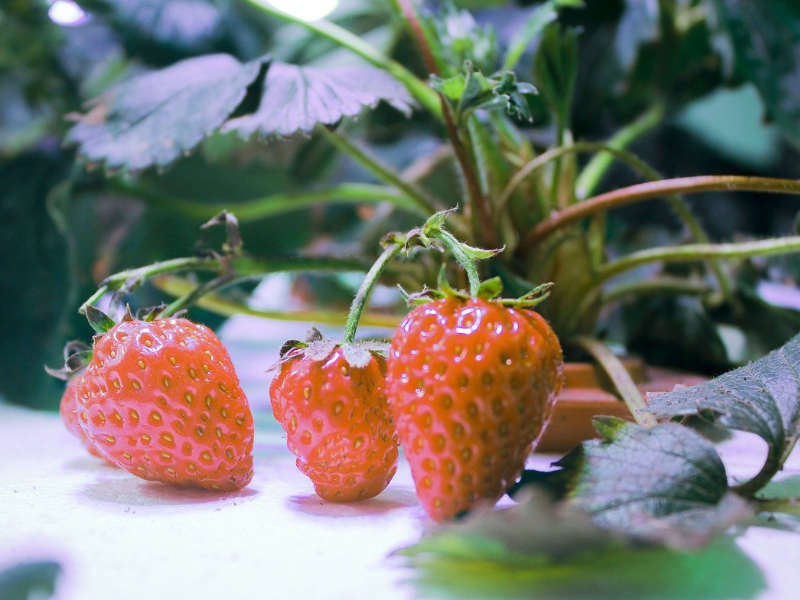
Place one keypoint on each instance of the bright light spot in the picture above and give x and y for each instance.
(66, 12)
(308, 10)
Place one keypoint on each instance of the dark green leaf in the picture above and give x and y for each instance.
(765, 37)
(555, 68)
(762, 398)
(297, 98)
(30, 580)
(154, 118)
(665, 484)
(674, 332)
(535, 530)
(540, 549)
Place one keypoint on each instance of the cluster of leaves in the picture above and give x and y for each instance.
(153, 119)
(197, 79)
(635, 487)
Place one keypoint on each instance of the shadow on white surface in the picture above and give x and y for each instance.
(385, 502)
(133, 491)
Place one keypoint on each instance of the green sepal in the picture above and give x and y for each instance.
(98, 320)
(490, 289)
(150, 313)
(530, 299)
(480, 253)
(423, 296)
(77, 356)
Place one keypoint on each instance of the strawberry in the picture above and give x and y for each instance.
(161, 400)
(69, 415)
(471, 385)
(337, 420)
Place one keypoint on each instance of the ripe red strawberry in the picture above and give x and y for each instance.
(337, 422)
(471, 384)
(161, 400)
(69, 415)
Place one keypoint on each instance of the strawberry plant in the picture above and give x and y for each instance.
(541, 206)
(533, 193)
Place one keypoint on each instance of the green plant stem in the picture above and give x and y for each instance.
(591, 175)
(771, 466)
(177, 286)
(620, 377)
(550, 155)
(678, 205)
(406, 9)
(684, 253)
(657, 285)
(242, 267)
(481, 217)
(655, 189)
(261, 208)
(456, 248)
(423, 204)
(695, 252)
(598, 226)
(338, 35)
(194, 295)
(364, 291)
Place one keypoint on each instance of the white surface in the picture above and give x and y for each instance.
(122, 538)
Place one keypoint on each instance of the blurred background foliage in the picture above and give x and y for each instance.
(727, 73)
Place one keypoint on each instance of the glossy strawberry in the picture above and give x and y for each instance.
(337, 423)
(69, 415)
(471, 384)
(161, 399)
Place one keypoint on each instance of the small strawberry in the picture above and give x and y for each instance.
(331, 400)
(69, 415)
(472, 384)
(337, 420)
(161, 399)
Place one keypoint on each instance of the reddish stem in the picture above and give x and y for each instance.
(655, 189)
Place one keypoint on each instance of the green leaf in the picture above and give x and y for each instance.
(28, 580)
(665, 484)
(555, 69)
(539, 18)
(297, 98)
(154, 118)
(535, 530)
(762, 398)
(472, 90)
(455, 38)
(765, 37)
(541, 549)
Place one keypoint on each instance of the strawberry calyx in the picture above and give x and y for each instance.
(434, 235)
(318, 348)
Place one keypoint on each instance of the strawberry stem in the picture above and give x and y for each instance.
(456, 248)
(362, 296)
